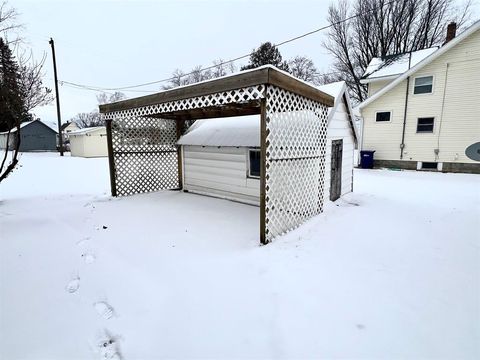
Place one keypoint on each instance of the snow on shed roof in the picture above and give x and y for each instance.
(51, 124)
(394, 65)
(86, 130)
(230, 131)
(242, 130)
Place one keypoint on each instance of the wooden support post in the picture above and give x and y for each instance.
(180, 126)
(263, 169)
(111, 160)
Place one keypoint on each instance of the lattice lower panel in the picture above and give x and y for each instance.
(145, 154)
(296, 129)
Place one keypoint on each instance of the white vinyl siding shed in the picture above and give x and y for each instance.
(89, 142)
(215, 152)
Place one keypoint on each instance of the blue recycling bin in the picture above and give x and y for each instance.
(366, 159)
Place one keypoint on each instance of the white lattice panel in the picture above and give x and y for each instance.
(296, 129)
(145, 156)
(217, 99)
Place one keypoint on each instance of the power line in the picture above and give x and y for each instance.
(99, 88)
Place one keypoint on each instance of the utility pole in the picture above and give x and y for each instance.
(59, 118)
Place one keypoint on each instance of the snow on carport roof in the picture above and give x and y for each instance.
(394, 64)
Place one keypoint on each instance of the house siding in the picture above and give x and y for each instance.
(220, 172)
(455, 128)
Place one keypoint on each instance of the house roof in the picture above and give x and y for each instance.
(86, 130)
(65, 125)
(427, 60)
(267, 74)
(50, 124)
(245, 130)
(393, 65)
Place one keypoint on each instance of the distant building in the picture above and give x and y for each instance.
(89, 142)
(422, 110)
(36, 135)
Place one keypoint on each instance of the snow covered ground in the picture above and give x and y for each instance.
(391, 271)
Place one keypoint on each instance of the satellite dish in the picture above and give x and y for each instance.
(473, 151)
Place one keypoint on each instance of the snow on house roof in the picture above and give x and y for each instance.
(51, 124)
(452, 43)
(86, 130)
(394, 65)
(244, 130)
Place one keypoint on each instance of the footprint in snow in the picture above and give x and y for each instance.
(104, 309)
(108, 346)
(88, 258)
(73, 285)
(84, 241)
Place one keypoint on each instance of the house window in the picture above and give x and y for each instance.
(429, 165)
(383, 116)
(254, 163)
(423, 85)
(425, 125)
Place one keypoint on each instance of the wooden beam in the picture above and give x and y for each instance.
(179, 127)
(261, 76)
(263, 170)
(111, 160)
(236, 81)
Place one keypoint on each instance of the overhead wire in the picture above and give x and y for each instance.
(130, 87)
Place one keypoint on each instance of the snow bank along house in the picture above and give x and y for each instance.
(423, 107)
(221, 157)
(142, 136)
(36, 135)
(89, 142)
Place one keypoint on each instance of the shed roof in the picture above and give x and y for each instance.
(245, 130)
(87, 130)
(50, 124)
(267, 74)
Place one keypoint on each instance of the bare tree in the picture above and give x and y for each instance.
(87, 119)
(93, 118)
(303, 68)
(104, 98)
(31, 81)
(385, 27)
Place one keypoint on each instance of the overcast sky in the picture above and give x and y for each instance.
(122, 43)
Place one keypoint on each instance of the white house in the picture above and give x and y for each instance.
(422, 110)
(89, 142)
(221, 157)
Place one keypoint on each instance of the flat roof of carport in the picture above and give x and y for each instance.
(265, 75)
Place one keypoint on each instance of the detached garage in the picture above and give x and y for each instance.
(36, 135)
(221, 157)
(89, 142)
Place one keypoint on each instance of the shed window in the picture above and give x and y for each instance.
(425, 125)
(383, 116)
(423, 85)
(254, 163)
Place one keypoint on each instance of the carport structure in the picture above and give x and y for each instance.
(142, 135)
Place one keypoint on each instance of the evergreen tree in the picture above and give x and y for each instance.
(12, 104)
(266, 54)
(12, 107)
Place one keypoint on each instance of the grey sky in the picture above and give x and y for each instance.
(121, 43)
